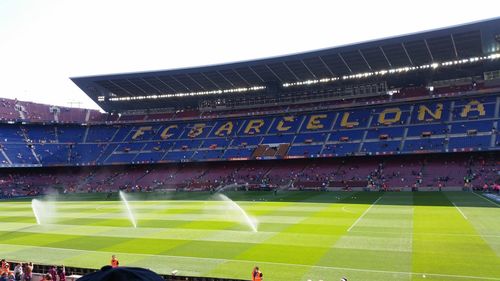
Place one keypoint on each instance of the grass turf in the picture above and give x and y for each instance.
(302, 235)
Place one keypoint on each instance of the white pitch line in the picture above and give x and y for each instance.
(429, 233)
(346, 210)
(260, 262)
(364, 213)
(463, 215)
(485, 198)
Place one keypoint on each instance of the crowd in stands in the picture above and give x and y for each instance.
(25, 272)
(20, 272)
(423, 172)
(74, 145)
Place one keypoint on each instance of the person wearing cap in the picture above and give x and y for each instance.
(114, 261)
(256, 274)
(122, 273)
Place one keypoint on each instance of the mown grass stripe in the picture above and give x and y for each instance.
(108, 253)
(362, 215)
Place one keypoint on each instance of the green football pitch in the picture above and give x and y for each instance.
(301, 235)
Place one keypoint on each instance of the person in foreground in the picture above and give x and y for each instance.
(256, 274)
(114, 261)
(108, 273)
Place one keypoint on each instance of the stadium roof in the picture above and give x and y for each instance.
(437, 46)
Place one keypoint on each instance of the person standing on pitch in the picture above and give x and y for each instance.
(256, 274)
(114, 261)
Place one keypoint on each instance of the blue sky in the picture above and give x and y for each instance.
(43, 43)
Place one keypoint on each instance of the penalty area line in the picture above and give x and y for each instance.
(463, 215)
(364, 213)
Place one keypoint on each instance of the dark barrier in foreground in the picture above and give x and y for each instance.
(43, 268)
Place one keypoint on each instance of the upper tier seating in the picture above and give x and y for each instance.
(451, 125)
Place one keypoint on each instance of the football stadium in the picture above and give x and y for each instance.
(368, 161)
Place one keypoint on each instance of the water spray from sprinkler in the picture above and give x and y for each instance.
(130, 214)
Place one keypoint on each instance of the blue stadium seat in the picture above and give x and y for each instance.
(219, 142)
(100, 133)
(208, 154)
(148, 157)
(351, 135)
(305, 150)
(470, 142)
(237, 153)
(312, 137)
(70, 134)
(11, 134)
(434, 129)
(278, 139)
(131, 146)
(381, 146)
(241, 141)
(20, 154)
(158, 146)
(427, 144)
(479, 126)
(341, 149)
(178, 156)
(187, 144)
(126, 157)
(391, 132)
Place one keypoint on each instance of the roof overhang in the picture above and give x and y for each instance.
(455, 43)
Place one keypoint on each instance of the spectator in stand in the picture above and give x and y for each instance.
(53, 272)
(47, 277)
(18, 272)
(5, 268)
(61, 272)
(28, 272)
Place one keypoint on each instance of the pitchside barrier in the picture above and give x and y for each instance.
(73, 273)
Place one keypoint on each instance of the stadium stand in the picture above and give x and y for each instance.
(297, 122)
(397, 173)
(468, 123)
(15, 110)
